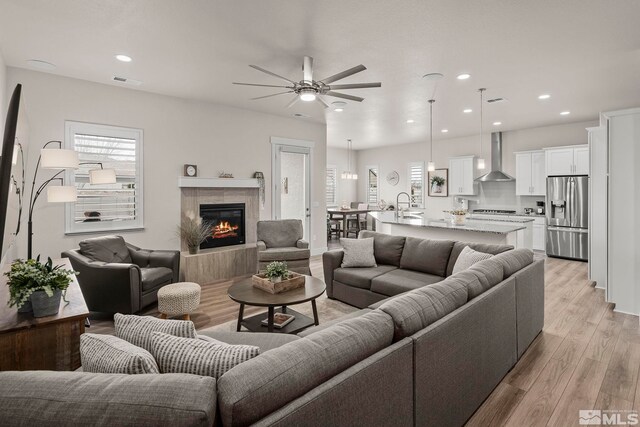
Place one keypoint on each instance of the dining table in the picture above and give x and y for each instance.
(346, 213)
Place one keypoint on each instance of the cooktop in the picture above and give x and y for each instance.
(494, 211)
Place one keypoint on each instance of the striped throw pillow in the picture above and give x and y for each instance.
(107, 354)
(138, 329)
(196, 356)
(467, 258)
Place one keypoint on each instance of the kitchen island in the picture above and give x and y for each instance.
(473, 231)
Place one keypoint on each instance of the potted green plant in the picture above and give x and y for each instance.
(436, 184)
(276, 271)
(193, 231)
(459, 216)
(40, 285)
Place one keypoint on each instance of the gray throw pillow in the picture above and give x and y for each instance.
(358, 253)
(138, 329)
(197, 356)
(467, 258)
(107, 354)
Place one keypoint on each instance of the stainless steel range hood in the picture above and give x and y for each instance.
(496, 174)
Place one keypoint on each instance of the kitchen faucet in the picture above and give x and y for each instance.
(408, 202)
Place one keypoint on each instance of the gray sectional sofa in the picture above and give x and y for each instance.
(429, 356)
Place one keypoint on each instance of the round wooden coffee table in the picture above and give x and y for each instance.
(244, 293)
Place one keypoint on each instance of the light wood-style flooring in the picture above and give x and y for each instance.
(587, 357)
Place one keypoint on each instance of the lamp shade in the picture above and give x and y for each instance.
(58, 158)
(62, 194)
(431, 166)
(102, 176)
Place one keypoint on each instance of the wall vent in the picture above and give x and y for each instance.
(126, 81)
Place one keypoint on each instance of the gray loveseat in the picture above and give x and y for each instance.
(428, 357)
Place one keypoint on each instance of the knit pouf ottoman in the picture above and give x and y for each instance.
(178, 299)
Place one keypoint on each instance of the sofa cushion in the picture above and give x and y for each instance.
(47, 398)
(196, 356)
(481, 277)
(138, 329)
(263, 384)
(330, 323)
(263, 340)
(421, 307)
(281, 233)
(111, 355)
(357, 253)
(426, 256)
(515, 260)
(468, 257)
(480, 247)
(360, 277)
(106, 249)
(284, 254)
(398, 281)
(152, 277)
(386, 248)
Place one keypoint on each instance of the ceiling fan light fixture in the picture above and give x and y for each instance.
(307, 95)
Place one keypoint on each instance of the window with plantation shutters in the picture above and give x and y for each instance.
(372, 185)
(105, 207)
(416, 184)
(332, 185)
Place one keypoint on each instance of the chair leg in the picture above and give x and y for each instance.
(163, 316)
(186, 317)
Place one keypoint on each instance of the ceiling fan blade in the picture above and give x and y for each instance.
(344, 95)
(256, 84)
(355, 86)
(344, 74)
(307, 69)
(271, 74)
(269, 96)
(293, 101)
(322, 101)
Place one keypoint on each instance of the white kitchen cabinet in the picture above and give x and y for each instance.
(461, 176)
(571, 160)
(530, 173)
(539, 235)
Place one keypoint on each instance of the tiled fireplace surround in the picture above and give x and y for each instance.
(211, 265)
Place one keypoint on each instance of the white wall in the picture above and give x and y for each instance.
(347, 191)
(3, 96)
(176, 131)
(498, 195)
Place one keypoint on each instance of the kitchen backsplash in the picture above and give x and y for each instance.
(501, 195)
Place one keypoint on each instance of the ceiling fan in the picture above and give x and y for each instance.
(309, 90)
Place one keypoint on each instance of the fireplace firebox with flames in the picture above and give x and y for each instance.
(227, 224)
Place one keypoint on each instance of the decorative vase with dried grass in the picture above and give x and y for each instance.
(193, 231)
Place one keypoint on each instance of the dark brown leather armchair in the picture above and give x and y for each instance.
(117, 277)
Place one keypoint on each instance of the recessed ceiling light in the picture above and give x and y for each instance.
(338, 106)
(565, 113)
(410, 121)
(467, 110)
(123, 58)
(41, 65)
(444, 130)
(339, 110)
(544, 96)
(463, 76)
(497, 123)
(433, 76)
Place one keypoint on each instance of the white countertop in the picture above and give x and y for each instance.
(477, 225)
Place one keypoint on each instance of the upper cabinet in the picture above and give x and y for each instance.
(572, 160)
(530, 173)
(461, 176)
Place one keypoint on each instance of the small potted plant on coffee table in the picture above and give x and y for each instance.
(277, 271)
(37, 286)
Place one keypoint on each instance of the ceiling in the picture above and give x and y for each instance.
(585, 53)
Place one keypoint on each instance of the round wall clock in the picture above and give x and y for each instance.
(393, 178)
(190, 170)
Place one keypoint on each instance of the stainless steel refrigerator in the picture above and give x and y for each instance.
(568, 217)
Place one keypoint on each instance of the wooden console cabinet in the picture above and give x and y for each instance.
(51, 343)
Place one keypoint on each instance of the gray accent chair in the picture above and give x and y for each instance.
(118, 277)
(281, 240)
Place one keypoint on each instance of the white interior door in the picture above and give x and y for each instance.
(291, 184)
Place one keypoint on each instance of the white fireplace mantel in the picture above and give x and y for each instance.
(196, 182)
